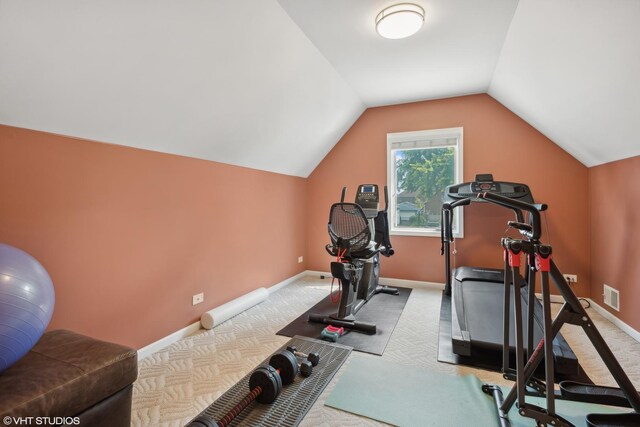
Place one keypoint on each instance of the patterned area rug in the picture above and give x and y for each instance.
(181, 380)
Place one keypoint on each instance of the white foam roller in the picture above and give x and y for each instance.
(226, 311)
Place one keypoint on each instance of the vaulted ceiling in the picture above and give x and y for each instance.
(273, 85)
(454, 53)
(571, 68)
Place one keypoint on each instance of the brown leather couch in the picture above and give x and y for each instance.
(68, 375)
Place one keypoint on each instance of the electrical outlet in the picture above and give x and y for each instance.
(571, 278)
(197, 299)
(300, 259)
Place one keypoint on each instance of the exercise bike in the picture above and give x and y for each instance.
(359, 234)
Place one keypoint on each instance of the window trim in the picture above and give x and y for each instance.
(399, 137)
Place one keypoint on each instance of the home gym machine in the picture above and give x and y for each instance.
(475, 293)
(351, 229)
(572, 313)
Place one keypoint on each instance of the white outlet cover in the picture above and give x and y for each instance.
(197, 299)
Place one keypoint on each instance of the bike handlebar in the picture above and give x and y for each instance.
(382, 250)
(533, 209)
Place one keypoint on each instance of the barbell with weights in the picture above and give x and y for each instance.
(265, 384)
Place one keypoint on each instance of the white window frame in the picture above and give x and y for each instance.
(422, 139)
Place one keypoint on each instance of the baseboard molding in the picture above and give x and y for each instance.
(195, 327)
(286, 282)
(168, 340)
(317, 273)
(553, 298)
(604, 313)
(389, 281)
(403, 283)
(613, 319)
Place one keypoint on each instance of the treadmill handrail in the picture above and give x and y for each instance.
(467, 201)
(518, 205)
(455, 204)
(445, 223)
(446, 220)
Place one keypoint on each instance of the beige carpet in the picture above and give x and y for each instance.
(175, 384)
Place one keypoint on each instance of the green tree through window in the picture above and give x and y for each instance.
(421, 177)
(421, 164)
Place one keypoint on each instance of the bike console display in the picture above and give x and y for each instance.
(485, 183)
(368, 198)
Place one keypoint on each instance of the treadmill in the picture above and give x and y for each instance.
(474, 295)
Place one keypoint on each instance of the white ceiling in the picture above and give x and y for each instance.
(232, 81)
(571, 68)
(273, 85)
(453, 54)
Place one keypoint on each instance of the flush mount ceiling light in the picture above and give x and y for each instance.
(400, 20)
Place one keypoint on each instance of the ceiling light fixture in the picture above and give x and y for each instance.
(400, 20)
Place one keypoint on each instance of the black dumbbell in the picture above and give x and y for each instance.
(305, 367)
(265, 384)
(312, 357)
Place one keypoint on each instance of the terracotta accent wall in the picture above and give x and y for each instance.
(495, 141)
(614, 196)
(128, 236)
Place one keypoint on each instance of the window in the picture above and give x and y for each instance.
(421, 164)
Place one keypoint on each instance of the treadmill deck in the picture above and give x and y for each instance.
(477, 317)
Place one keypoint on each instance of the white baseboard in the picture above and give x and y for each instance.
(553, 298)
(194, 327)
(613, 319)
(168, 340)
(411, 283)
(389, 281)
(286, 282)
(314, 273)
(604, 313)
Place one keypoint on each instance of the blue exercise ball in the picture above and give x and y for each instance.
(26, 303)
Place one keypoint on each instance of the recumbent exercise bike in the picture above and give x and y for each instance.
(351, 229)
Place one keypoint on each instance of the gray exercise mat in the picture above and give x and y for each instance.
(412, 396)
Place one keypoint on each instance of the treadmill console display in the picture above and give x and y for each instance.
(477, 187)
(485, 183)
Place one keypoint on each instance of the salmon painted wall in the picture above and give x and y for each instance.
(495, 141)
(615, 232)
(128, 236)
